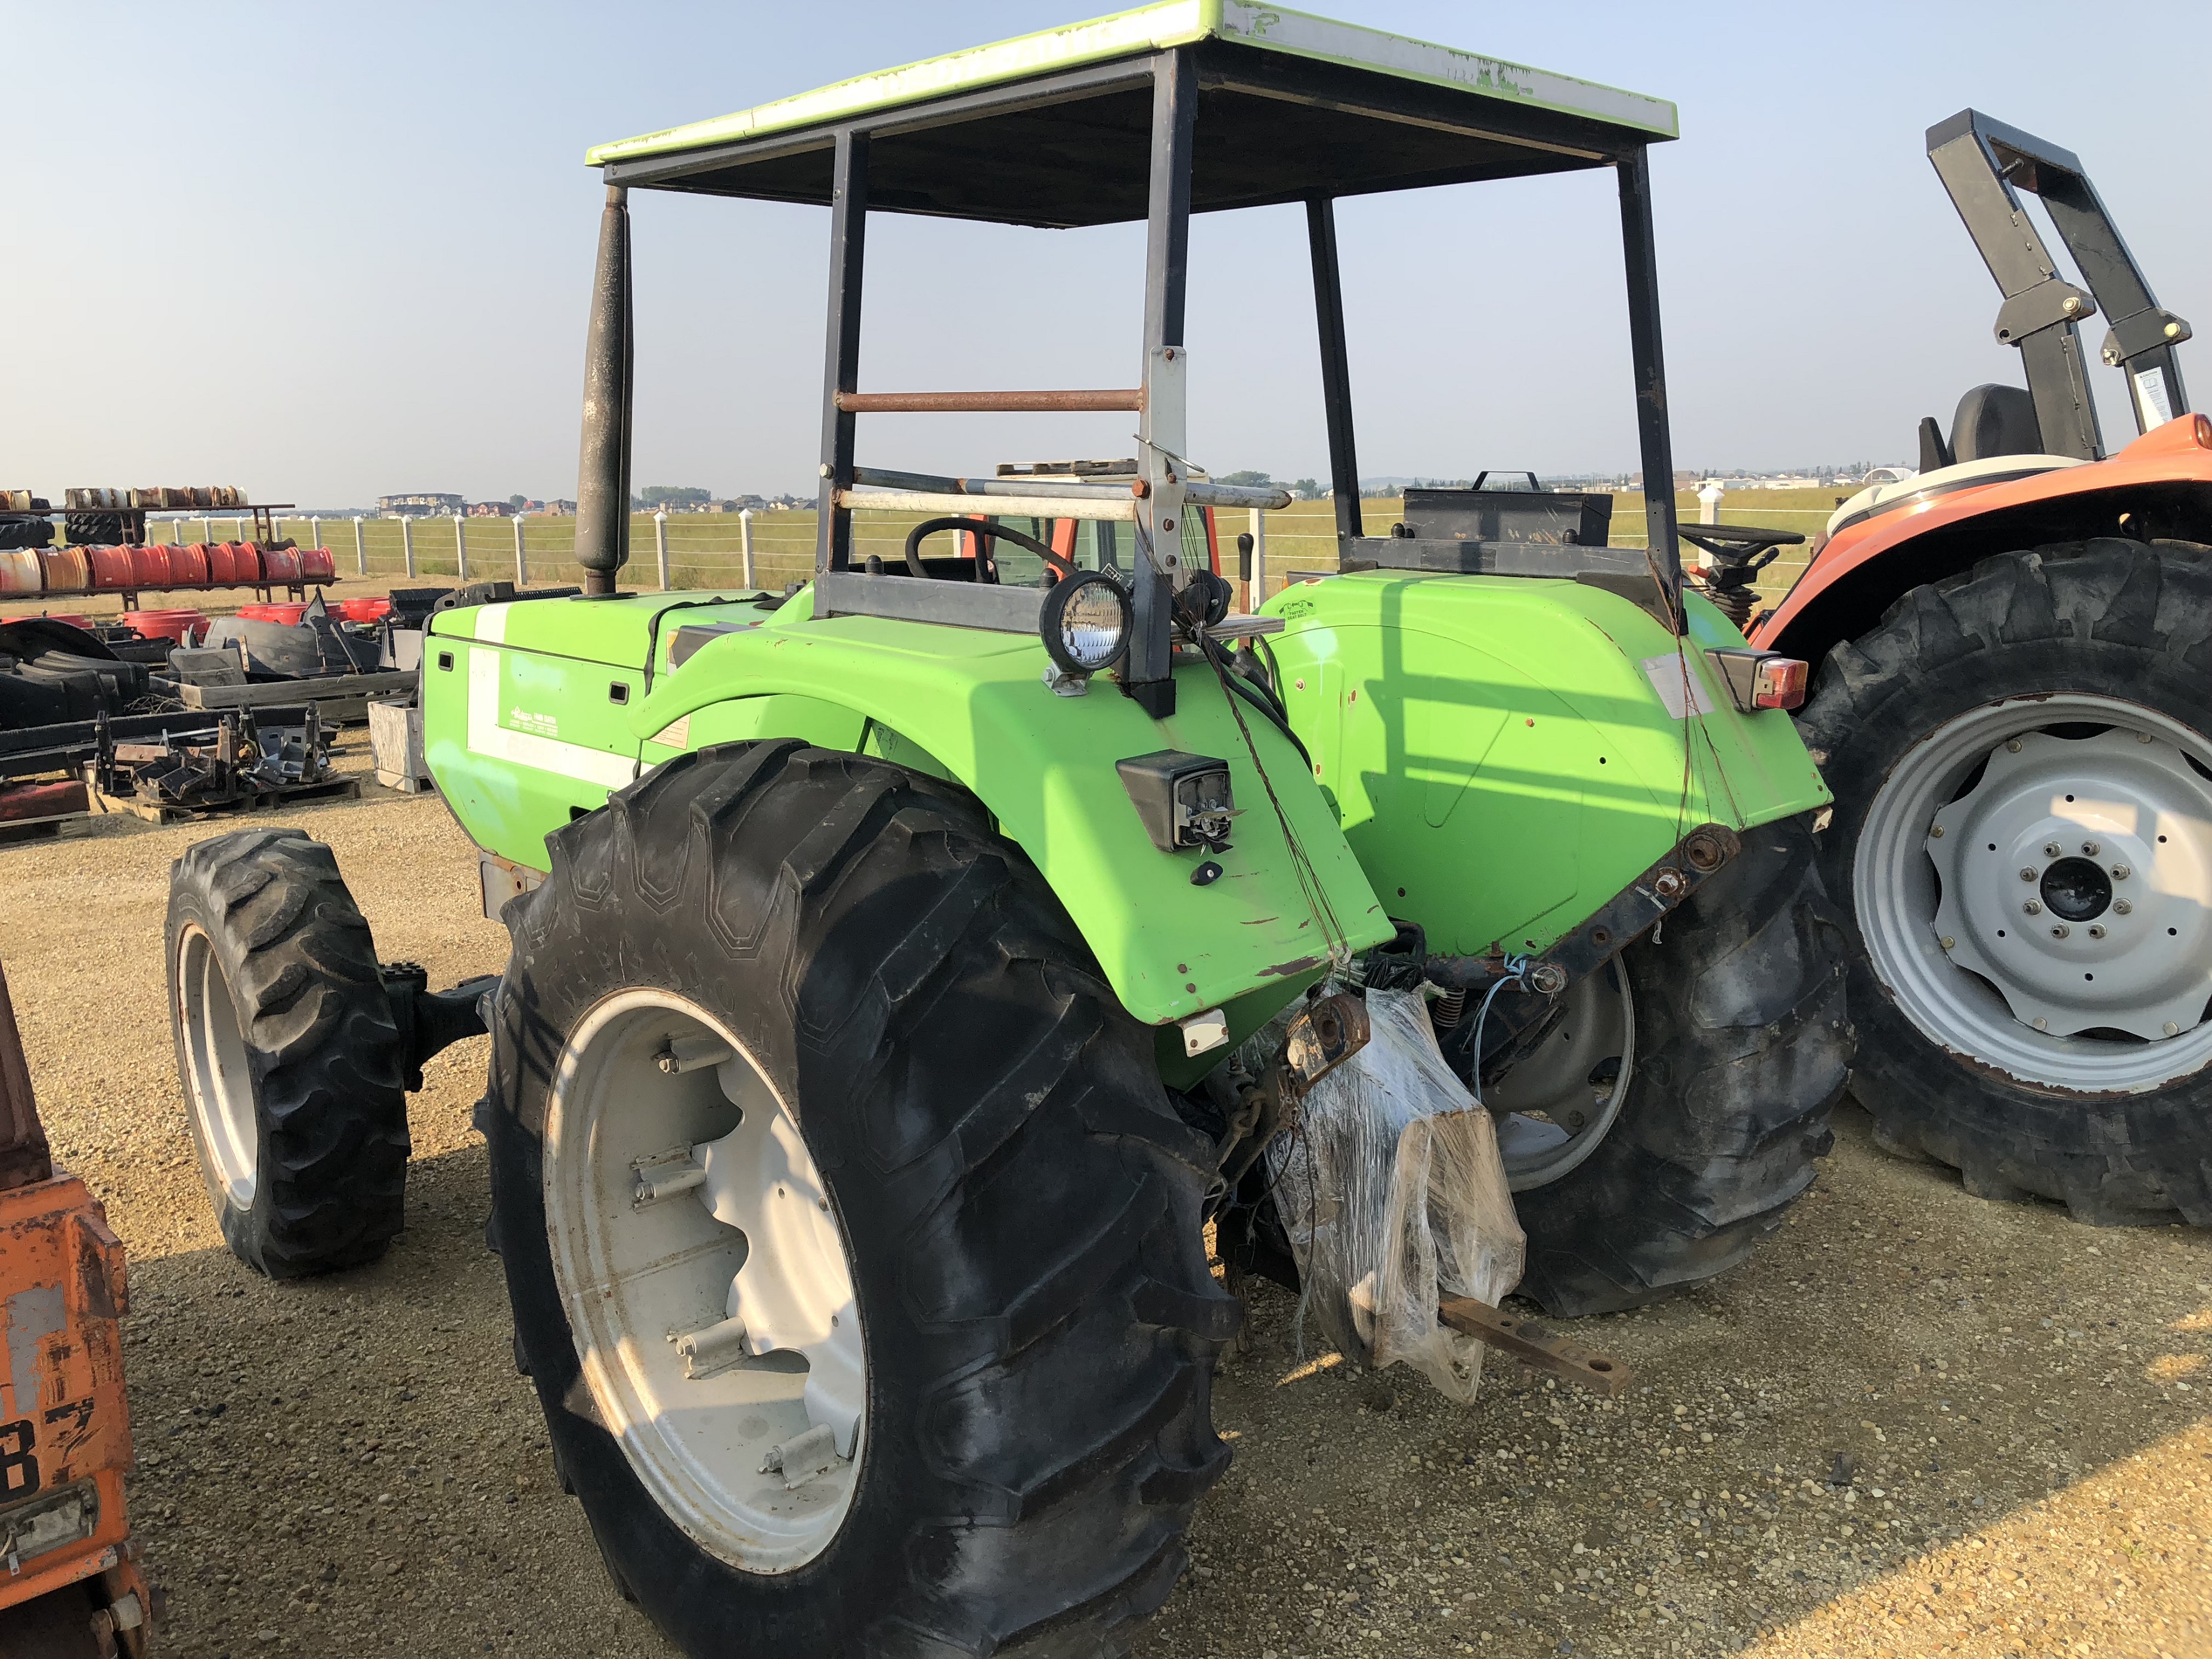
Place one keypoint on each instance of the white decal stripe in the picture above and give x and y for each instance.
(491, 623)
(487, 737)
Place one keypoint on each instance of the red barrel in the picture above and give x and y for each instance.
(111, 567)
(67, 570)
(288, 615)
(315, 564)
(365, 610)
(188, 565)
(21, 572)
(165, 624)
(280, 564)
(222, 564)
(150, 564)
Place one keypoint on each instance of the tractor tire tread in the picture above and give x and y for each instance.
(321, 1045)
(2088, 615)
(1035, 1199)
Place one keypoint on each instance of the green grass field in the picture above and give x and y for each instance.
(703, 549)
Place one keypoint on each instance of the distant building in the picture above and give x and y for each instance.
(489, 510)
(418, 506)
(556, 509)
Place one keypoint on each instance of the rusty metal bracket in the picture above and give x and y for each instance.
(1535, 1346)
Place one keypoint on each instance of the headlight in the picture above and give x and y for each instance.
(1086, 623)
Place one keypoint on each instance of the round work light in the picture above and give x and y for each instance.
(1086, 623)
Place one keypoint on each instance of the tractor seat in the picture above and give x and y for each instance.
(1990, 421)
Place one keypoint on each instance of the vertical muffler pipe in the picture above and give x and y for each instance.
(602, 468)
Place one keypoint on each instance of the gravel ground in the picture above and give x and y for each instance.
(352, 1466)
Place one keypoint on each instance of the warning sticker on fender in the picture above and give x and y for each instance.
(1678, 685)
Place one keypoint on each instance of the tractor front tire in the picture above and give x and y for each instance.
(2049, 711)
(1741, 1047)
(883, 987)
(287, 1053)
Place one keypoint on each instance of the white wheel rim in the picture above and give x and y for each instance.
(2095, 984)
(706, 1280)
(218, 1077)
(1556, 1105)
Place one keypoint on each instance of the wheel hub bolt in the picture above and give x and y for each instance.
(2033, 907)
(2096, 930)
(2123, 906)
(2171, 1029)
(2051, 849)
(2090, 848)
(2026, 872)
(1949, 942)
(2012, 746)
(2121, 873)
(2061, 931)
(2041, 1024)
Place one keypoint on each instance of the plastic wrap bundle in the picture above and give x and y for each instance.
(1392, 1191)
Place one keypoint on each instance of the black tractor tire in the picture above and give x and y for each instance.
(1741, 1048)
(277, 1007)
(92, 529)
(1020, 1202)
(2106, 616)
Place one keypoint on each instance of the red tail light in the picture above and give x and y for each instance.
(1779, 683)
(1761, 679)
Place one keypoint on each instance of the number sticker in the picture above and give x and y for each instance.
(19, 1466)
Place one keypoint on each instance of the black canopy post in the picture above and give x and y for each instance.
(1146, 673)
(1648, 365)
(602, 466)
(1335, 366)
(840, 373)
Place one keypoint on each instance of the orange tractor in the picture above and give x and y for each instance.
(2013, 704)
(70, 1588)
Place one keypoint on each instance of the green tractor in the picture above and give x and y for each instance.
(865, 1072)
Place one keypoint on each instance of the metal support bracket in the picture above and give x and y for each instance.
(1537, 1347)
(2047, 305)
(432, 1021)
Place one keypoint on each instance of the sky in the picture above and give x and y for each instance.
(329, 252)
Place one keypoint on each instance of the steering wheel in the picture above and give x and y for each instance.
(980, 569)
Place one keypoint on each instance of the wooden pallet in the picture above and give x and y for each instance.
(20, 829)
(348, 788)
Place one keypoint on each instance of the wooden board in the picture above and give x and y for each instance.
(343, 699)
(347, 788)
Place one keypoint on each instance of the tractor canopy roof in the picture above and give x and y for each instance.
(1055, 128)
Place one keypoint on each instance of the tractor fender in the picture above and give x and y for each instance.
(2161, 485)
(522, 741)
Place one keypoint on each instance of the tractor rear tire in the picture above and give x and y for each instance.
(1017, 1204)
(1740, 1047)
(288, 1054)
(2071, 643)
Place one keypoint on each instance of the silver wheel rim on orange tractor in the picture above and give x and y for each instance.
(2034, 883)
(706, 1280)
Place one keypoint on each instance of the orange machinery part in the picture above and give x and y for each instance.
(2178, 452)
(111, 567)
(67, 570)
(188, 565)
(149, 565)
(65, 1436)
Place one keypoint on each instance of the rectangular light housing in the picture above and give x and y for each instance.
(1761, 679)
